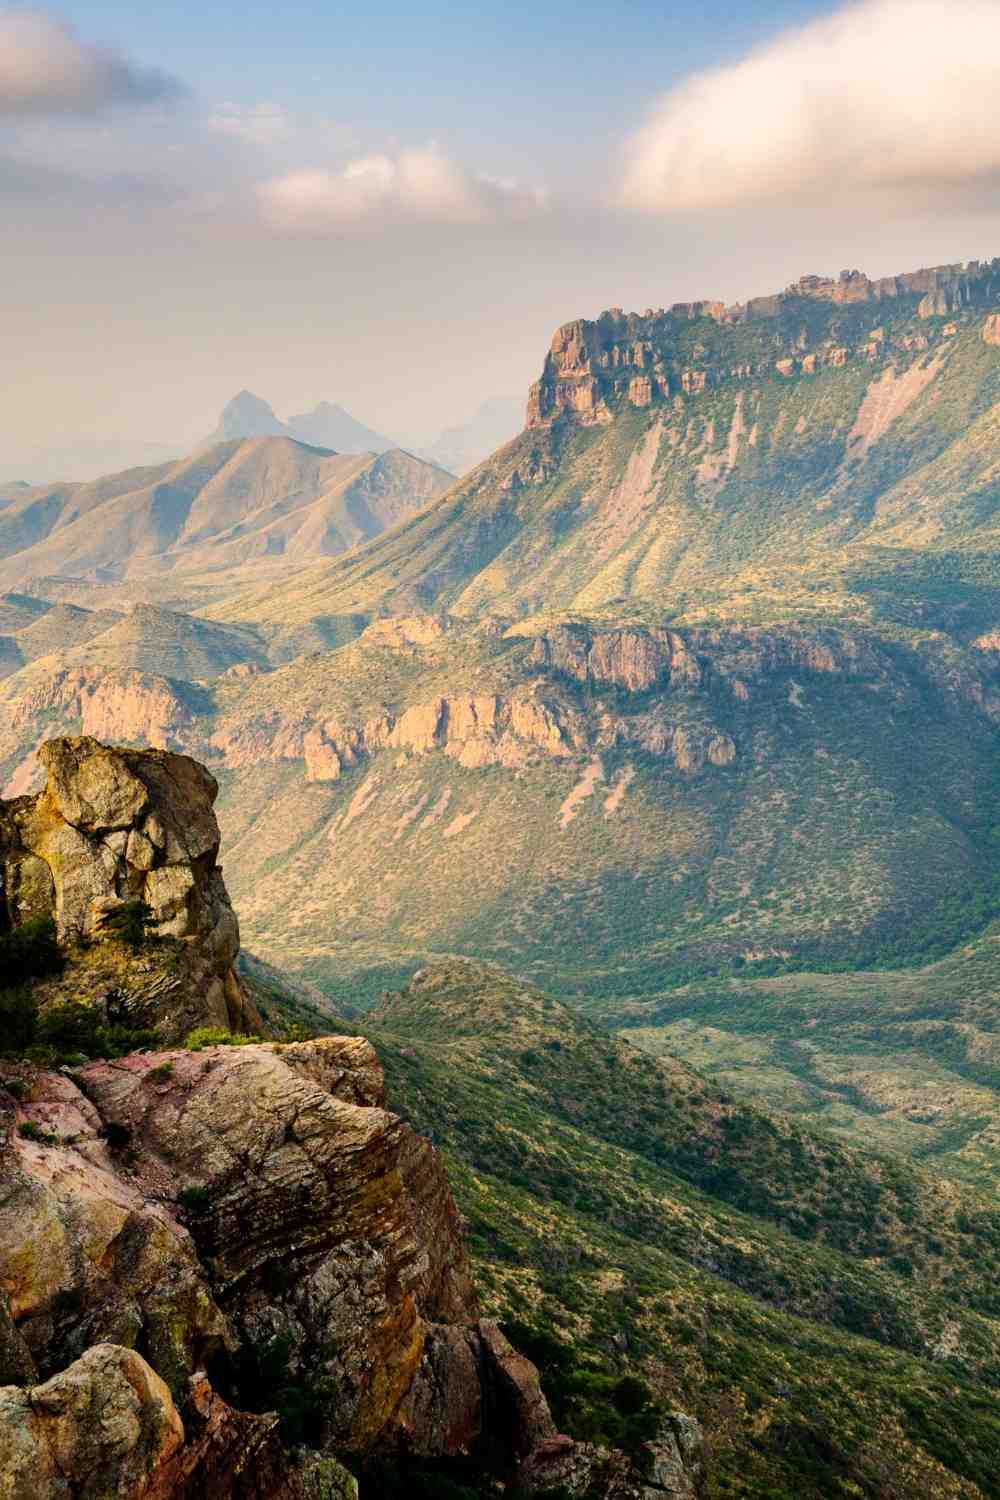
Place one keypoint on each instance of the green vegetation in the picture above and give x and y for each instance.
(217, 1036)
(131, 922)
(59, 1033)
(29, 952)
(832, 1317)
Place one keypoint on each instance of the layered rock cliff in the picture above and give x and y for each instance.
(182, 1233)
(594, 368)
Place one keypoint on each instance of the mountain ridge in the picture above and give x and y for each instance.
(233, 502)
(817, 445)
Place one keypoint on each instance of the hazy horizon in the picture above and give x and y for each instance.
(393, 211)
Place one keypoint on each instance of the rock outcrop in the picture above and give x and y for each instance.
(105, 1426)
(116, 826)
(595, 368)
(485, 729)
(196, 1232)
(674, 1466)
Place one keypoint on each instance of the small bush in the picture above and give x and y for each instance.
(73, 1033)
(195, 1199)
(30, 951)
(117, 1136)
(18, 1020)
(215, 1036)
(131, 923)
(34, 1132)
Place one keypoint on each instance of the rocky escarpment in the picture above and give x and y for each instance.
(594, 368)
(114, 827)
(187, 1235)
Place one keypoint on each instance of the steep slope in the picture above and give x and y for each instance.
(624, 1212)
(227, 505)
(811, 452)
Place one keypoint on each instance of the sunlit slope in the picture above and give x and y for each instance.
(756, 499)
(231, 504)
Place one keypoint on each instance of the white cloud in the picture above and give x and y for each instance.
(415, 183)
(46, 68)
(256, 125)
(882, 94)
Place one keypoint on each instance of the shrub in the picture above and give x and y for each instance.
(71, 1032)
(195, 1199)
(18, 1020)
(216, 1036)
(70, 1028)
(34, 1132)
(29, 951)
(117, 1136)
(131, 922)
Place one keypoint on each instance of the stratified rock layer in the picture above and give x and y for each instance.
(206, 1209)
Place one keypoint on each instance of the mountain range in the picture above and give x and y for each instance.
(326, 426)
(234, 502)
(681, 708)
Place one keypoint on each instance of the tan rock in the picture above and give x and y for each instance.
(120, 825)
(106, 1426)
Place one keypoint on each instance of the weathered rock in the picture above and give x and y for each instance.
(590, 371)
(114, 826)
(673, 1467)
(85, 1255)
(190, 1203)
(479, 730)
(475, 1394)
(106, 1426)
(325, 1223)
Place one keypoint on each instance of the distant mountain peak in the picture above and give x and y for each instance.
(247, 415)
(327, 425)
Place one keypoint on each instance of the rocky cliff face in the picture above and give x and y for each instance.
(190, 1240)
(174, 1225)
(114, 827)
(594, 368)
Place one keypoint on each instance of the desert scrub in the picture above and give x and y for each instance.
(216, 1036)
(30, 951)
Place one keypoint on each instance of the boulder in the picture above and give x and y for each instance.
(114, 826)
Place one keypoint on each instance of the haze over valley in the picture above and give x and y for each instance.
(500, 754)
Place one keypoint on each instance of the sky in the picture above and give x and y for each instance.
(394, 206)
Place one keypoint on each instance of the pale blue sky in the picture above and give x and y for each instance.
(393, 207)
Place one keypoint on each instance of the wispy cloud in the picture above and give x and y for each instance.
(415, 183)
(256, 125)
(46, 68)
(882, 94)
